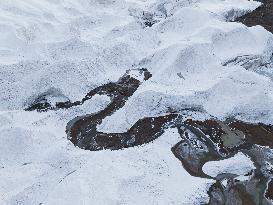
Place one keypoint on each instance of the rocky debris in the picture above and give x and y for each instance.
(194, 150)
(233, 194)
(222, 140)
(48, 100)
(144, 18)
(148, 19)
(263, 16)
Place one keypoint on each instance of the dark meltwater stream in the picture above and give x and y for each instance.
(201, 141)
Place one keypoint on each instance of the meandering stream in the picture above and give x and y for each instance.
(201, 141)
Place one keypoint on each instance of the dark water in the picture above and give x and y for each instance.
(201, 141)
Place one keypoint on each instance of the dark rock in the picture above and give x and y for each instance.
(269, 191)
(261, 16)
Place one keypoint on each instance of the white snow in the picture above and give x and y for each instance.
(239, 164)
(40, 167)
(74, 46)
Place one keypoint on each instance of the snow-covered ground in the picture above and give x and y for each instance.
(74, 46)
(39, 165)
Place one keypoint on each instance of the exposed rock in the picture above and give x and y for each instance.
(269, 191)
(263, 16)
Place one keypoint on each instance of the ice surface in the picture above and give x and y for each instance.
(239, 165)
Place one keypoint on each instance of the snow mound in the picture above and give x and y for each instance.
(240, 164)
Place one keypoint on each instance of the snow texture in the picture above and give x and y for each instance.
(71, 47)
(239, 165)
